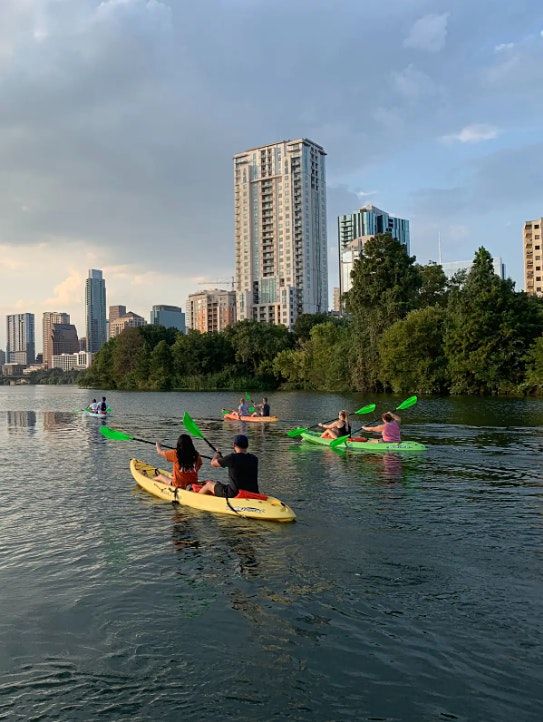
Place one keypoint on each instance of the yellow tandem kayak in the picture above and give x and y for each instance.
(269, 508)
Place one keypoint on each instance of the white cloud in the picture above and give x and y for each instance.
(428, 33)
(412, 83)
(474, 133)
(366, 194)
(502, 47)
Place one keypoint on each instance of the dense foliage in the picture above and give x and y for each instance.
(407, 329)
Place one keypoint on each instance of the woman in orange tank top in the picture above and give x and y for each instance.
(186, 463)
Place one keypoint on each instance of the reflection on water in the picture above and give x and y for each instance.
(21, 419)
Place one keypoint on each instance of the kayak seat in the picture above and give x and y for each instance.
(358, 438)
(241, 495)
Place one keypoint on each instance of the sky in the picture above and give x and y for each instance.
(119, 120)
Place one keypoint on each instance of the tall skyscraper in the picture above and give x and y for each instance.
(212, 310)
(169, 317)
(533, 264)
(21, 340)
(354, 229)
(95, 310)
(280, 229)
(48, 320)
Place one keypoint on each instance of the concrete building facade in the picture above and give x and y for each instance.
(129, 320)
(280, 231)
(211, 310)
(533, 263)
(452, 267)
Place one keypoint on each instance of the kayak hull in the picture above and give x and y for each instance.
(96, 415)
(252, 419)
(314, 437)
(384, 446)
(270, 509)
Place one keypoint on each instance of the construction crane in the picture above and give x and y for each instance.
(218, 282)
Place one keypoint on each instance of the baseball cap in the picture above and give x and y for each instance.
(241, 441)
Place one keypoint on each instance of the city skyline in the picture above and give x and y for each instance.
(128, 168)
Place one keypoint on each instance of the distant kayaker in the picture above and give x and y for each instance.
(389, 429)
(186, 462)
(94, 406)
(102, 407)
(263, 408)
(243, 408)
(341, 427)
(242, 471)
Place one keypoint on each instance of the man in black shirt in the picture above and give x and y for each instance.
(262, 409)
(242, 471)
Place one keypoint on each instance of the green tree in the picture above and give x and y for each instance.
(129, 361)
(412, 354)
(256, 344)
(305, 322)
(433, 288)
(488, 332)
(161, 367)
(321, 362)
(385, 287)
(534, 367)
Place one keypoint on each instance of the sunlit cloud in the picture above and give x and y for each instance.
(428, 33)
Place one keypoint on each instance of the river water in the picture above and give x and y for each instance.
(409, 588)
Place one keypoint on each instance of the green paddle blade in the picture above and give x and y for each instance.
(191, 427)
(339, 441)
(247, 396)
(407, 404)
(293, 433)
(370, 408)
(115, 434)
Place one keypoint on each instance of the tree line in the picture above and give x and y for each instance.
(407, 328)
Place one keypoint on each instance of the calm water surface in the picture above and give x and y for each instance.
(409, 588)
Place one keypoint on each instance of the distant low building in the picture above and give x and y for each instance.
(34, 367)
(70, 361)
(129, 320)
(2, 357)
(336, 301)
(13, 369)
(169, 317)
(450, 268)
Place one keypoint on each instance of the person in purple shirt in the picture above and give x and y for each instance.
(389, 429)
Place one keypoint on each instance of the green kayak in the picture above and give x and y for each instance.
(314, 437)
(384, 446)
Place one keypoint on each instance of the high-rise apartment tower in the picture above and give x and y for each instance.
(21, 340)
(533, 263)
(211, 310)
(95, 310)
(280, 229)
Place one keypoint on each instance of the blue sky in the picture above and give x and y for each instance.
(120, 118)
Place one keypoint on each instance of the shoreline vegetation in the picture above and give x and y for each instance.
(407, 329)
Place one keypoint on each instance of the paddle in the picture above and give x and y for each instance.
(194, 430)
(116, 435)
(406, 404)
(88, 408)
(293, 433)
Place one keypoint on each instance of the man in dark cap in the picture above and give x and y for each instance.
(242, 471)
